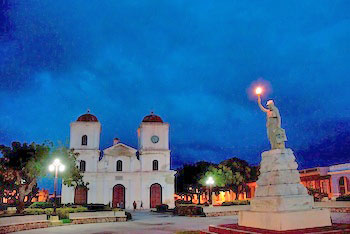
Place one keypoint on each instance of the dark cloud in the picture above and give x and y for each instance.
(189, 61)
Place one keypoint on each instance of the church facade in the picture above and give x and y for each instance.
(122, 174)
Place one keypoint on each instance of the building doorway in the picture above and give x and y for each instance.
(343, 185)
(118, 196)
(155, 195)
(80, 195)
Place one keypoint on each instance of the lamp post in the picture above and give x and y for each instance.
(210, 182)
(56, 166)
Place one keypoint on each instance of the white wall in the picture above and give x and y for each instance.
(147, 157)
(149, 129)
(91, 158)
(79, 129)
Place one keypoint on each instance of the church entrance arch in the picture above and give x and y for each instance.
(119, 196)
(155, 195)
(80, 195)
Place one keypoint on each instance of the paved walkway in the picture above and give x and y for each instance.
(145, 222)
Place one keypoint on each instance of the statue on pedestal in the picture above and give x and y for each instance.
(275, 133)
(281, 202)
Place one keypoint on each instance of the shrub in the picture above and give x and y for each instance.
(63, 213)
(117, 209)
(128, 215)
(179, 202)
(66, 221)
(343, 198)
(34, 211)
(235, 203)
(162, 208)
(41, 205)
(189, 210)
(97, 207)
(3, 207)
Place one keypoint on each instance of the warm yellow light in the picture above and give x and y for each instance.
(258, 90)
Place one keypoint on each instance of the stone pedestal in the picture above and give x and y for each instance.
(281, 202)
(287, 220)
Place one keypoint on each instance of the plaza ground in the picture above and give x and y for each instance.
(145, 222)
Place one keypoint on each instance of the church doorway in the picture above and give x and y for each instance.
(119, 196)
(80, 195)
(155, 195)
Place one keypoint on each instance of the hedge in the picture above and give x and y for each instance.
(235, 203)
(343, 198)
(63, 213)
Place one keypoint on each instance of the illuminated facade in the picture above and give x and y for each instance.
(122, 174)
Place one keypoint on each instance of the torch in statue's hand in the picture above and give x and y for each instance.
(258, 91)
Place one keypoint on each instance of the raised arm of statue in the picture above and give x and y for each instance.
(261, 106)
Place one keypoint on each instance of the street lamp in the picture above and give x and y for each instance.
(56, 166)
(210, 182)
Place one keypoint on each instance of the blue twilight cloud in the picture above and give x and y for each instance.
(189, 61)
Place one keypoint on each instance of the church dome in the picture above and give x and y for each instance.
(87, 118)
(152, 118)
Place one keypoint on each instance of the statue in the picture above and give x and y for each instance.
(275, 133)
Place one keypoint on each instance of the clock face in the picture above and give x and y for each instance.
(154, 139)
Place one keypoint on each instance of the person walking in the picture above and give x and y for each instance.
(141, 206)
(135, 205)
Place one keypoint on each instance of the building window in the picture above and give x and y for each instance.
(119, 165)
(155, 165)
(84, 140)
(82, 166)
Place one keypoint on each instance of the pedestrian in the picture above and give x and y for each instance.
(135, 205)
(141, 206)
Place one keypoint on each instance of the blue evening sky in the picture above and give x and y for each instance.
(191, 62)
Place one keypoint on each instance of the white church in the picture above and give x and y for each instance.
(122, 174)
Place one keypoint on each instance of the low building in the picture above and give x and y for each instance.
(340, 177)
(317, 178)
(332, 180)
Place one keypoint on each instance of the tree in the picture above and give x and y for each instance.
(242, 174)
(72, 176)
(222, 176)
(20, 167)
(190, 174)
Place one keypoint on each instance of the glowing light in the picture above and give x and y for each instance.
(56, 162)
(51, 167)
(258, 90)
(210, 181)
(56, 165)
(61, 167)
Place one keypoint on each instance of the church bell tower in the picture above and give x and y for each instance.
(85, 140)
(153, 138)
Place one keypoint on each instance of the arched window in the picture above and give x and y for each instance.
(119, 165)
(82, 166)
(155, 165)
(84, 140)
